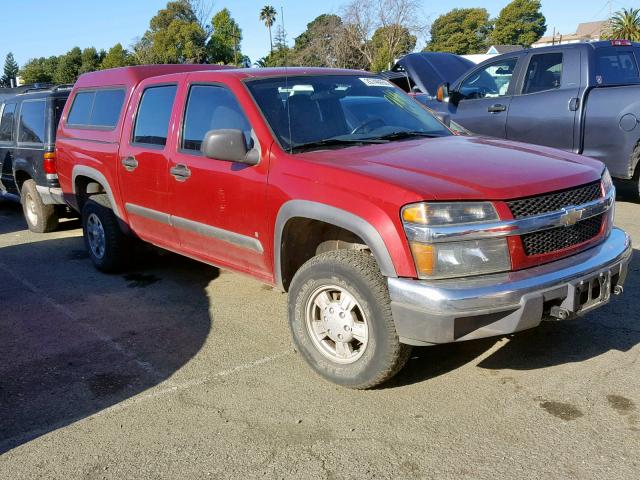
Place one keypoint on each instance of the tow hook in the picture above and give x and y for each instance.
(618, 289)
(560, 313)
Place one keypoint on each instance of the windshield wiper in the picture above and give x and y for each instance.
(401, 135)
(335, 142)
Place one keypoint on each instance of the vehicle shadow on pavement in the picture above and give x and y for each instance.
(615, 326)
(74, 341)
(9, 211)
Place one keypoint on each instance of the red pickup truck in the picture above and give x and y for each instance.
(386, 230)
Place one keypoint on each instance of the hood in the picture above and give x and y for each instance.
(430, 69)
(464, 168)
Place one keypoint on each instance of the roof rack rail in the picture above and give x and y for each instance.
(38, 86)
(62, 86)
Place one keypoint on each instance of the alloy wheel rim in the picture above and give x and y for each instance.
(337, 324)
(30, 209)
(96, 236)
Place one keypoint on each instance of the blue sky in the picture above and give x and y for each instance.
(43, 28)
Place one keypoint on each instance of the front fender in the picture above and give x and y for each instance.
(334, 216)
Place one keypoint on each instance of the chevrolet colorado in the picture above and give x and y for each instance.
(386, 230)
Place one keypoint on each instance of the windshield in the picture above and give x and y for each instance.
(307, 112)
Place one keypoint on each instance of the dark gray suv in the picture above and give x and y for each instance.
(28, 123)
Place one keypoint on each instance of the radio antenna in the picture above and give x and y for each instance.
(286, 78)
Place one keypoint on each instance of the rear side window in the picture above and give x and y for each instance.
(96, 108)
(32, 121)
(81, 109)
(211, 108)
(616, 67)
(544, 73)
(154, 113)
(7, 122)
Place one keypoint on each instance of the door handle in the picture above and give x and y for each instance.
(130, 164)
(574, 104)
(497, 108)
(180, 172)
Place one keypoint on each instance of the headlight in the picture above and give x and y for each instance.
(460, 258)
(449, 213)
(607, 181)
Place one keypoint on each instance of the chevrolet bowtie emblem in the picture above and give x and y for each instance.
(571, 216)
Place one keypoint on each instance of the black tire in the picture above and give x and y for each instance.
(114, 255)
(358, 273)
(41, 218)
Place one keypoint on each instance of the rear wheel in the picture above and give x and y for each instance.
(40, 217)
(341, 322)
(107, 245)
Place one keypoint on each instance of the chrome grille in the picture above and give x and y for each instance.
(551, 202)
(547, 241)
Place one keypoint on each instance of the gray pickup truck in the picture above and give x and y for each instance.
(583, 98)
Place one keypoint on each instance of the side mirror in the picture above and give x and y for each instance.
(443, 92)
(229, 145)
(443, 117)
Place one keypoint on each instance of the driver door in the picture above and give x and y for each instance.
(481, 102)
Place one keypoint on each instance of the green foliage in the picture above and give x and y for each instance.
(317, 45)
(223, 46)
(90, 60)
(461, 31)
(520, 23)
(10, 70)
(68, 66)
(625, 25)
(116, 57)
(39, 70)
(281, 54)
(389, 43)
(174, 36)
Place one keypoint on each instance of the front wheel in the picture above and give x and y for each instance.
(341, 322)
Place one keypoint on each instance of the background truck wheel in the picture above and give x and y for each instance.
(340, 319)
(106, 244)
(41, 218)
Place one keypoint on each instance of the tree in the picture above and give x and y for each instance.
(68, 66)
(316, 46)
(224, 43)
(10, 71)
(625, 24)
(389, 43)
(520, 23)
(90, 60)
(281, 54)
(116, 57)
(174, 36)
(39, 70)
(268, 16)
(362, 18)
(461, 31)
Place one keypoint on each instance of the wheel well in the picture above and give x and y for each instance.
(304, 238)
(21, 176)
(85, 187)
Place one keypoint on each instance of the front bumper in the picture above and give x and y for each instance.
(432, 312)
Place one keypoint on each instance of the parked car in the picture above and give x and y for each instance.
(385, 228)
(583, 98)
(28, 123)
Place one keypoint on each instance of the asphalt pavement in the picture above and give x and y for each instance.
(175, 369)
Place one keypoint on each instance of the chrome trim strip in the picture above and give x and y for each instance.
(154, 215)
(565, 217)
(203, 229)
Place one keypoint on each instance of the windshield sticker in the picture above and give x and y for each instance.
(375, 82)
